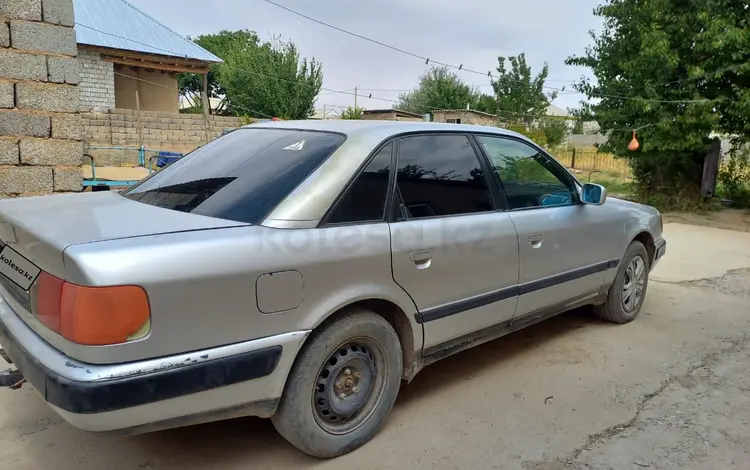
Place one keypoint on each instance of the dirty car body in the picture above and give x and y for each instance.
(192, 295)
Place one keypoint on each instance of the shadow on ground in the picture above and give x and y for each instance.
(233, 442)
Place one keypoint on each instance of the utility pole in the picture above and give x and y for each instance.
(324, 112)
(355, 97)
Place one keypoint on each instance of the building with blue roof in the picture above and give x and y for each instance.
(130, 60)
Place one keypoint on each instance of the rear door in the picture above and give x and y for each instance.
(563, 244)
(453, 252)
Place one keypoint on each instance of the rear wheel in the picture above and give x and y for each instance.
(343, 386)
(625, 296)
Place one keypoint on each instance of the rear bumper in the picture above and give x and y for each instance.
(239, 379)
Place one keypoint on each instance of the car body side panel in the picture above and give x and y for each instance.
(202, 286)
(469, 282)
(579, 243)
(637, 219)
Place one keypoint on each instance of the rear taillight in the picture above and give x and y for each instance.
(91, 315)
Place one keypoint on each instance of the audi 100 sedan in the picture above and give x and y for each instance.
(301, 271)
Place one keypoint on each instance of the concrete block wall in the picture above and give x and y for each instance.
(158, 131)
(97, 81)
(40, 124)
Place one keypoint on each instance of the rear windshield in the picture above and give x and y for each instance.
(240, 176)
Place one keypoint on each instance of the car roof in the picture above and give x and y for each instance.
(307, 204)
(382, 128)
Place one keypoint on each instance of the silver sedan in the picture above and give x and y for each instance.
(301, 271)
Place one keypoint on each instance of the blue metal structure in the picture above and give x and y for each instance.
(117, 24)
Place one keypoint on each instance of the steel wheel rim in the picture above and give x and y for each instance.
(633, 284)
(349, 386)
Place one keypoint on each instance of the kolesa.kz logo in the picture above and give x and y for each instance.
(18, 269)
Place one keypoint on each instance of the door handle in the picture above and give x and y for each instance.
(421, 258)
(536, 240)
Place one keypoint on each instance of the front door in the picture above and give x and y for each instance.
(563, 244)
(453, 252)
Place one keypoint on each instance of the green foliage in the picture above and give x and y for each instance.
(525, 171)
(616, 186)
(734, 177)
(578, 127)
(518, 92)
(260, 78)
(674, 52)
(352, 113)
(439, 88)
(554, 131)
(532, 132)
(486, 104)
(246, 119)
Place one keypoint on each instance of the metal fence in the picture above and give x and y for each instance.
(594, 161)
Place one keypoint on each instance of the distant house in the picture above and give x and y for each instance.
(390, 115)
(464, 116)
(128, 59)
(553, 110)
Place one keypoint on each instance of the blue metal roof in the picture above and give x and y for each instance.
(119, 25)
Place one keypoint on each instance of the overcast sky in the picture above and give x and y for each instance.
(469, 32)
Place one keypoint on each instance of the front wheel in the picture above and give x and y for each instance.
(342, 387)
(625, 296)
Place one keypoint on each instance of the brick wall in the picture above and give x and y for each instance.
(40, 127)
(158, 131)
(466, 117)
(97, 81)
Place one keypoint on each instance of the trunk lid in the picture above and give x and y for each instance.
(41, 228)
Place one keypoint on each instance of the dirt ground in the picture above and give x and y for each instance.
(670, 390)
(733, 219)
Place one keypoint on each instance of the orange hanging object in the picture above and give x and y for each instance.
(633, 145)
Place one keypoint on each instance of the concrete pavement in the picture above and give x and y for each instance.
(666, 391)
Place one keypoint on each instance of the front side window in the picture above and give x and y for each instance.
(440, 175)
(529, 178)
(365, 199)
(240, 176)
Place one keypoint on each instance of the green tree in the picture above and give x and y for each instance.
(578, 127)
(520, 95)
(352, 113)
(486, 104)
(439, 88)
(532, 132)
(675, 71)
(554, 131)
(258, 78)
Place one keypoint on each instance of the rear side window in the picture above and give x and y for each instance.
(365, 200)
(240, 176)
(440, 175)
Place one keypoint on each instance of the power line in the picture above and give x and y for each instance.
(379, 43)
(559, 90)
(457, 67)
(648, 100)
(419, 104)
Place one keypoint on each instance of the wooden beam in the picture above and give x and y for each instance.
(158, 61)
(152, 65)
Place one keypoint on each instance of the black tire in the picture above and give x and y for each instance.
(615, 308)
(310, 413)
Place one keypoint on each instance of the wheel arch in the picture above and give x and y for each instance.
(647, 240)
(409, 333)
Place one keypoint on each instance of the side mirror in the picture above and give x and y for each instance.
(594, 194)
